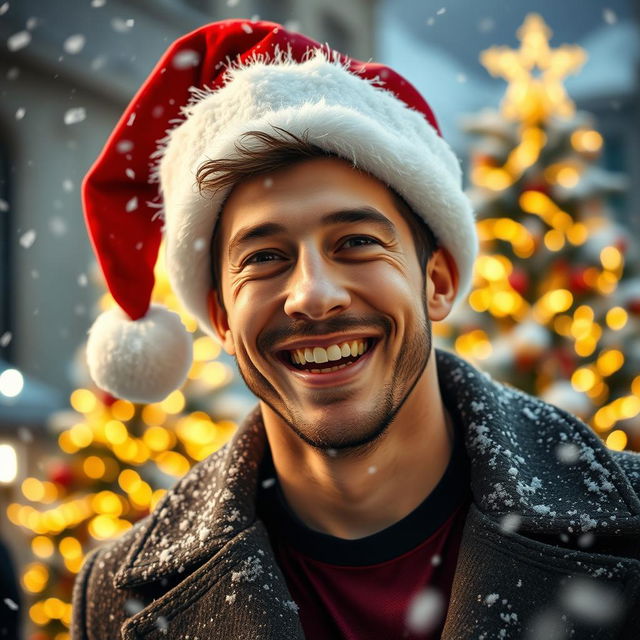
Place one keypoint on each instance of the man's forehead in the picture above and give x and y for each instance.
(313, 193)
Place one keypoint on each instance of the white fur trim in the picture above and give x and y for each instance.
(341, 113)
(143, 360)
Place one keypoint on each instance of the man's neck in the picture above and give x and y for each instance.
(351, 496)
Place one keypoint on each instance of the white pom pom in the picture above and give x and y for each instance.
(143, 360)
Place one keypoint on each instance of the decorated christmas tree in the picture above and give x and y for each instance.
(116, 460)
(555, 305)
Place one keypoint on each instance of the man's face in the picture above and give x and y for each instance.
(331, 261)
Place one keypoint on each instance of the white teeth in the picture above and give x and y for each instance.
(320, 355)
(334, 352)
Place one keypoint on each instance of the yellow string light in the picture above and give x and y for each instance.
(617, 440)
(586, 140)
(616, 318)
(609, 362)
(83, 400)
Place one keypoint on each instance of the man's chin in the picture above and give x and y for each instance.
(335, 429)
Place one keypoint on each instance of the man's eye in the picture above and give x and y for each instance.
(256, 258)
(357, 240)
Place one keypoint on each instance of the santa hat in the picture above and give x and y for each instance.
(209, 88)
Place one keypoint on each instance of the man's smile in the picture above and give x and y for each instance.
(317, 357)
(315, 366)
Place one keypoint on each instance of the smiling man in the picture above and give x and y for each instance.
(316, 226)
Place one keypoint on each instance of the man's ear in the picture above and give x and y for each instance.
(442, 284)
(219, 322)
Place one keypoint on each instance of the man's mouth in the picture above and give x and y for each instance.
(327, 360)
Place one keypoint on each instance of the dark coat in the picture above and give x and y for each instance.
(550, 549)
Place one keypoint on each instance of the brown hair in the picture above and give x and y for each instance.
(276, 152)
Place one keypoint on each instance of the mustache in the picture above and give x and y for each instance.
(305, 329)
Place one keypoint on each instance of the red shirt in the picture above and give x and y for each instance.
(393, 584)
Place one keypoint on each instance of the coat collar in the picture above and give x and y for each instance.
(527, 458)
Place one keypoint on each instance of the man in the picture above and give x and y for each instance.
(316, 226)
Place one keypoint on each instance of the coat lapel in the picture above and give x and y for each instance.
(535, 460)
(204, 539)
(550, 506)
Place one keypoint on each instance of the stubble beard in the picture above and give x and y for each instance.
(355, 435)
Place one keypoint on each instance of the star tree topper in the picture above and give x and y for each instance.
(532, 98)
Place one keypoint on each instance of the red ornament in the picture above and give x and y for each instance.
(634, 306)
(577, 282)
(484, 160)
(62, 474)
(525, 362)
(537, 184)
(106, 398)
(519, 281)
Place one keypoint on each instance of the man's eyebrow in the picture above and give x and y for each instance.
(246, 234)
(363, 214)
(346, 216)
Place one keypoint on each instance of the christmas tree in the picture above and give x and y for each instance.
(555, 304)
(116, 460)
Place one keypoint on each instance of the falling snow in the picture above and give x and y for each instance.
(18, 41)
(28, 238)
(57, 226)
(510, 522)
(424, 611)
(124, 146)
(591, 601)
(122, 25)
(133, 606)
(567, 452)
(75, 115)
(186, 59)
(74, 44)
(11, 604)
(131, 205)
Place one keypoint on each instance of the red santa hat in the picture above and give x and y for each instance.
(209, 88)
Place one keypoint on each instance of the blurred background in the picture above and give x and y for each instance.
(553, 176)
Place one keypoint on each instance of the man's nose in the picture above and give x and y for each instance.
(315, 287)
